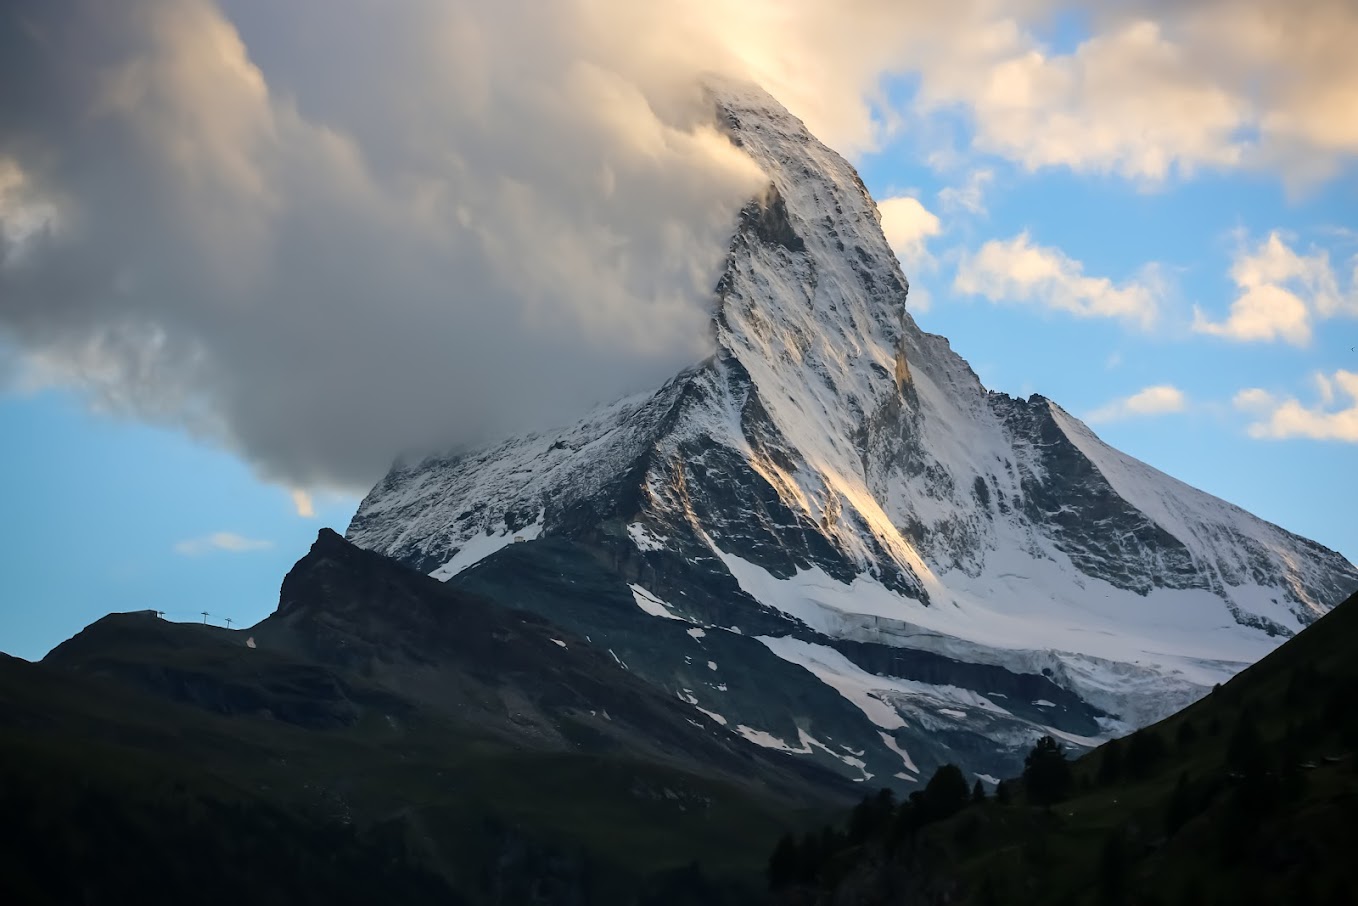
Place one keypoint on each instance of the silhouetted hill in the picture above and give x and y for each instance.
(381, 738)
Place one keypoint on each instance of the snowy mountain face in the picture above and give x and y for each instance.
(830, 538)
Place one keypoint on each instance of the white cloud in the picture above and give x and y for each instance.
(1016, 270)
(1162, 87)
(527, 201)
(1280, 418)
(1253, 399)
(908, 224)
(1274, 262)
(1161, 399)
(1128, 101)
(1296, 64)
(1156, 88)
(220, 541)
(1280, 294)
(1261, 313)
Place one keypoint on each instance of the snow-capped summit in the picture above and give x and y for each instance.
(839, 485)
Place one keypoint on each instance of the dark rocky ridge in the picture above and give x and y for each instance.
(447, 748)
(357, 636)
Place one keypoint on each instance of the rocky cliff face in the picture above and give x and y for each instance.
(900, 566)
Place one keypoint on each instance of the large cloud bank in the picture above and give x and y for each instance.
(424, 227)
(320, 233)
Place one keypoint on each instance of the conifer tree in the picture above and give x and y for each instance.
(1046, 772)
(945, 794)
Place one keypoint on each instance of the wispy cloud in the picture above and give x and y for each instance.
(1278, 418)
(303, 504)
(970, 196)
(1161, 399)
(1017, 270)
(1163, 88)
(220, 541)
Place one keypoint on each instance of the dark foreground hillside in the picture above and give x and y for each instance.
(384, 738)
(380, 739)
(1248, 796)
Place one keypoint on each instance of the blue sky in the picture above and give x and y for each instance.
(110, 515)
(280, 292)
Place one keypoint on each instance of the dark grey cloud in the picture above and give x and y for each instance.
(422, 225)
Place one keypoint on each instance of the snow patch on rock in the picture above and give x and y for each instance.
(651, 604)
(477, 547)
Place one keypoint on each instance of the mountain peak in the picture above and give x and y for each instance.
(839, 483)
(327, 535)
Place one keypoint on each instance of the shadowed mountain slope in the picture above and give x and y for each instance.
(469, 749)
